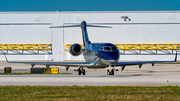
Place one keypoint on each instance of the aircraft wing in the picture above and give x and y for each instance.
(143, 62)
(76, 64)
(139, 63)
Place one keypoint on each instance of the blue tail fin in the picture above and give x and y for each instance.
(85, 34)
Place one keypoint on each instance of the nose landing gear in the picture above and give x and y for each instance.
(110, 72)
(111, 69)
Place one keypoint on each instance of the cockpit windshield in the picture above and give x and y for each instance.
(108, 48)
(113, 48)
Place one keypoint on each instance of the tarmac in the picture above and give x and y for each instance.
(158, 75)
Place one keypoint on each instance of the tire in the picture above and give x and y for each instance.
(79, 72)
(84, 72)
(108, 72)
(112, 72)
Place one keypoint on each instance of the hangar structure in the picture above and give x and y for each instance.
(133, 27)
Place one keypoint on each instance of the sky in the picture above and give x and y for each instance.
(89, 5)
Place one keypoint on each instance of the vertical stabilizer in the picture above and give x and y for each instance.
(85, 34)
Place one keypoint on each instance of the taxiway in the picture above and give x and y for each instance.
(160, 74)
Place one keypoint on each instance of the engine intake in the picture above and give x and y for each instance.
(75, 49)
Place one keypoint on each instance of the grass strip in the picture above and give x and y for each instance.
(32, 73)
(89, 93)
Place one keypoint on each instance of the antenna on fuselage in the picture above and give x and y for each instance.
(84, 30)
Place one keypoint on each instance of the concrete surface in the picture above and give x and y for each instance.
(132, 75)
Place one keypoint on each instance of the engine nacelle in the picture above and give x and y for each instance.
(75, 49)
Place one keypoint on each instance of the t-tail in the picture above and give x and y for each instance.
(83, 26)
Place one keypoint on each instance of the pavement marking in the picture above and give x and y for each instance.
(28, 72)
(93, 71)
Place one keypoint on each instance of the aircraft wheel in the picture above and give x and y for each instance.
(79, 72)
(84, 72)
(108, 72)
(112, 72)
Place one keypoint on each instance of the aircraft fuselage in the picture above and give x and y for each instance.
(103, 54)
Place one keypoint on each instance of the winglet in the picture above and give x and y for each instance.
(6, 58)
(175, 57)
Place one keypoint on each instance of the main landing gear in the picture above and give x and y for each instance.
(81, 70)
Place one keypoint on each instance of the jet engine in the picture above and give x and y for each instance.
(75, 49)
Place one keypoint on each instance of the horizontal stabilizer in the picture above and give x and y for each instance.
(83, 26)
(98, 26)
(80, 26)
(66, 26)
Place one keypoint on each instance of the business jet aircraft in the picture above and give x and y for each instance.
(96, 55)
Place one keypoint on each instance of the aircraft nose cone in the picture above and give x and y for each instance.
(110, 59)
(113, 56)
(107, 61)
